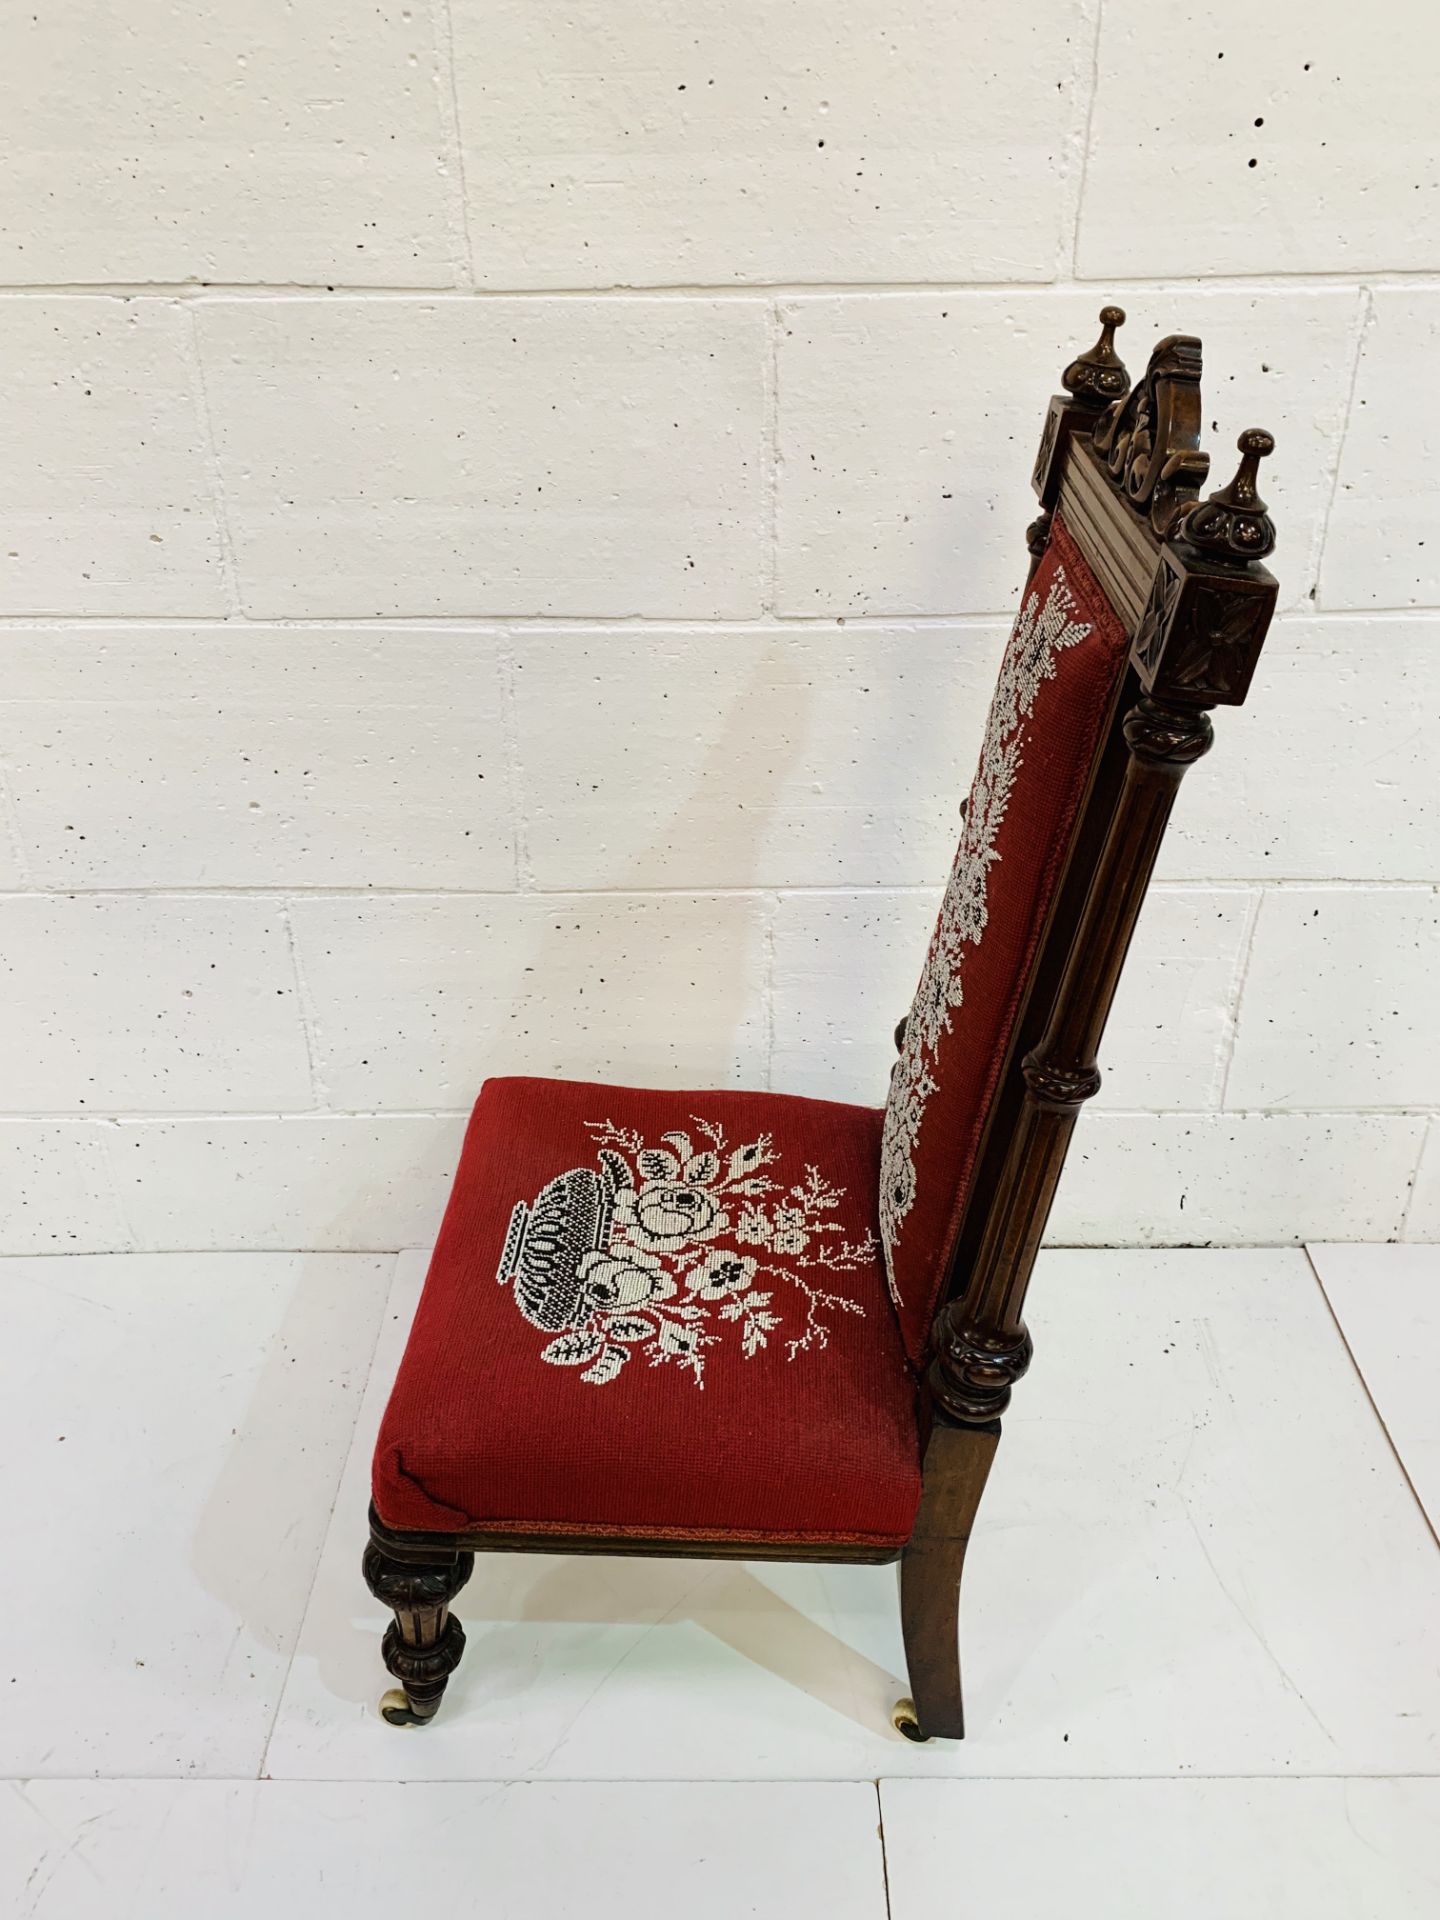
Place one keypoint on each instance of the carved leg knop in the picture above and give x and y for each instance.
(424, 1642)
(957, 1464)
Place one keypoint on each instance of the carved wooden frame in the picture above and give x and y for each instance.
(1124, 468)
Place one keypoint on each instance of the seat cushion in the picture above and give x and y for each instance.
(656, 1314)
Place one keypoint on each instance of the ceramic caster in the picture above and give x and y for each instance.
(905, 1720)
(395, 1708)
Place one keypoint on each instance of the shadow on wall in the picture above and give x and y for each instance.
(719, 1033)
(657, 987)
(655, 980)
(247, 1548)
(794, 769)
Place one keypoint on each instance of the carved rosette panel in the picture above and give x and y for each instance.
(412, 1586)
(1040, 478)
(1149, 641)
(1222, 642)
(1201, 632)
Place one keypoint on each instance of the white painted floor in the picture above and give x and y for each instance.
(1202, 1629)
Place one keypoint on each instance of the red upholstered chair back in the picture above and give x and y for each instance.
(1145, 607)
(1056, 689)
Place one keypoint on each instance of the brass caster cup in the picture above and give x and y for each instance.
(395, 1708)
(905, 1720)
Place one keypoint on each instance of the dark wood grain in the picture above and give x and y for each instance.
(423, 1546)
(1184, 578)
(980, 1343)
(1150, 439)
(424, 1642)
(957, 1465)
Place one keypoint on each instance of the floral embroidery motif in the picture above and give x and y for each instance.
(1042, 632)
(647, 1254)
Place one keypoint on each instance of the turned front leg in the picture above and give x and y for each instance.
(424, 1642)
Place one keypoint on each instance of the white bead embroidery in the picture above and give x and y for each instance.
(1041, 632)
(647, 1253)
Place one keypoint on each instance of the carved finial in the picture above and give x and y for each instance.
(1098, 377)
(1233, 523)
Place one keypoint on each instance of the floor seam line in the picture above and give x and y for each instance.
(1365, 1387)
(884, 1851)
(696, 1780)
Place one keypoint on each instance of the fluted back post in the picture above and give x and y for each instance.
(1195, 639)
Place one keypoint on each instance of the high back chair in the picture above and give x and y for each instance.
(770, 1328)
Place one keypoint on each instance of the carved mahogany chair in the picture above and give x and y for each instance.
(761, 1327)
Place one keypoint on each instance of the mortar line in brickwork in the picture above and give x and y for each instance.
(1414, 1187)
(1219, 1115)
(369, 1250)
(242, 1116)
(112, 1182)
(1087, 88)
(309, 1014)
(514, 771)
(1240, 978)
(497, 626)
(767, 984)
(457, 200)
(189, 290)
(215, 479)
(247, 1116)
(770, 586)
(290, 890)
(10, 814)
(1364, 318)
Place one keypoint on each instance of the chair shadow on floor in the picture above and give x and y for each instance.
(725, 1599)
(254, 1550)
(263, 1526)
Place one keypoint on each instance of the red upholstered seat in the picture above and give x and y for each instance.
(656, 1314)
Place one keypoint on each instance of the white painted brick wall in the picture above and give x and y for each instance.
(510, 513)
(1384, 550)
(462, 456)
(268, 141)
(907, 428)
(150, 1003)
(673, 145)
(104, 490)
(252, 756)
